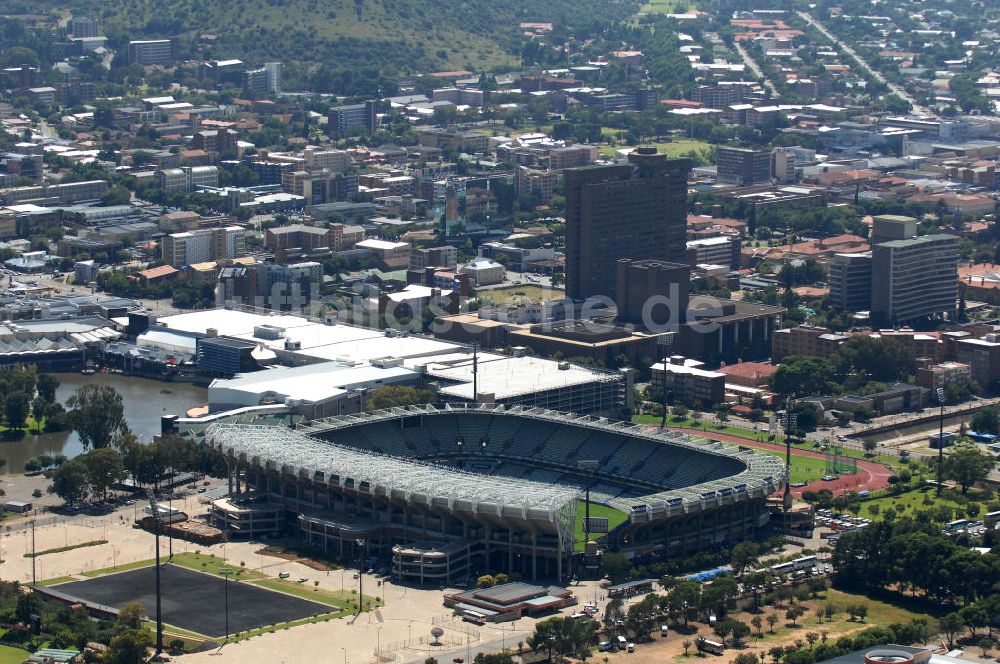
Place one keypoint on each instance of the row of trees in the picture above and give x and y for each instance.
(93, 474)
(28, 393)
(912, 554)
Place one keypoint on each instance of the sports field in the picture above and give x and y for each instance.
(615, 518)
(195, 601)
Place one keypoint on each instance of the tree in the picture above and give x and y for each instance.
(486, 581)
(804, 375)
(951, 626)
(974, 616)
(967, 465)
(69, 482)
(829, 610)
(97, 414)
(104, 470)
(772, 620)
(793, 613)
(986, 644)
(776, 653)
(392, 396)
(758, 625)
(739, 632)
(722, 629)
(16, 407)
(986, 420)
(129, 647)
(687, 646)
(746, 658)
(743, 555)
(615, 565)
(46, 385)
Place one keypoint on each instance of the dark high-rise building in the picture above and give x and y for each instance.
(653, 293)
(634, 210)
(742, 166)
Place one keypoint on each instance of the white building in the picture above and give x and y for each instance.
(484, 271)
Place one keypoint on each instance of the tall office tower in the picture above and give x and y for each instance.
(634, 210)
(914, 278)
(851, 281)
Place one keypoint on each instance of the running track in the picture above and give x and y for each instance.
(871, 476)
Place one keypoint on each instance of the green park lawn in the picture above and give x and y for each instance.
(664, 7)
(511, 296)
(879, 614)
(676, 148)
(913, 501)
(11, 655)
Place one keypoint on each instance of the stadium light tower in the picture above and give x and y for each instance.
(665, 342)
(155, 509)
(588, 466)
(940, 468)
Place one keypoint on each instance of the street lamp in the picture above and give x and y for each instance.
(361, 577)
(940, 468)
(226, 571)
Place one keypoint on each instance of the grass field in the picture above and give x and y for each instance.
(664, 7)
(514, 294)
(913, 501)
(671, 149)
(804, 468)
(615, 518)
(201, 562)
(879, 613)
(11, 655)
(336, 599)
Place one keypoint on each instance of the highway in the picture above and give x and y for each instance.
(897, 90)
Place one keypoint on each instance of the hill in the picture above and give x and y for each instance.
(394, 36)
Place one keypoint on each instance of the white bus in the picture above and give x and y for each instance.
(707, 645)
(803, 563)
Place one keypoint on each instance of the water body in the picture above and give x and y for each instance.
(145, 401)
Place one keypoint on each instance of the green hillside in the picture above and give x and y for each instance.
(395, 36)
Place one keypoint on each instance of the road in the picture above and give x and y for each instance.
(755, 68)
(897, 90)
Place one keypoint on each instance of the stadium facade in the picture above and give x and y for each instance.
(449, 492)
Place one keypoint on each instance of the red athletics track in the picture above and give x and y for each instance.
(871, 476)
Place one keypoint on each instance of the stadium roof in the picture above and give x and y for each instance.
(290, 450)
(297, 451)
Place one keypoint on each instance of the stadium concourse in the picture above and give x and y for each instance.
(443, 493)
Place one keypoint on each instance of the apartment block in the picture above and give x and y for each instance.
(914, 278)
(154, 51)
(187, 179)
(200, 246)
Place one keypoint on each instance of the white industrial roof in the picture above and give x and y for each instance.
(228, 322)
(381, 347)
(373, 243)
(506, 377)
(312, 383)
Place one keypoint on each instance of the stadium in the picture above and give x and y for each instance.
(449, 492)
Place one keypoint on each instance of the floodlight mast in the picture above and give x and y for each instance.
(155, 509)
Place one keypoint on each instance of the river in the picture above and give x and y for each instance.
(145, 401)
